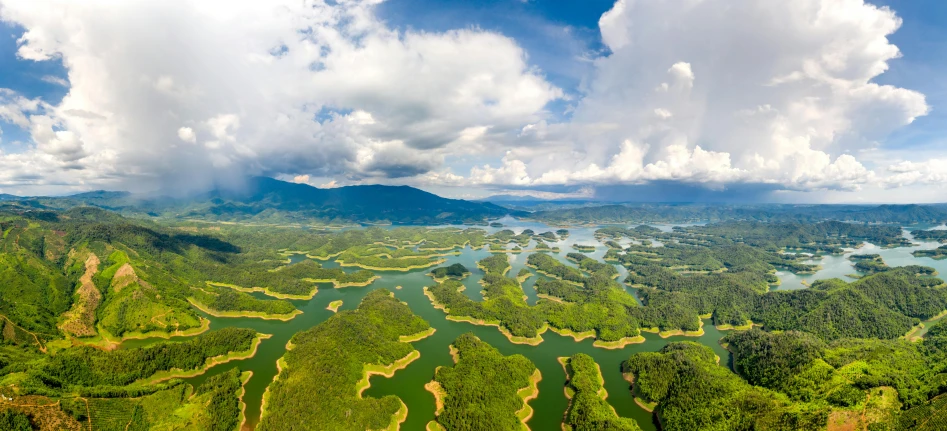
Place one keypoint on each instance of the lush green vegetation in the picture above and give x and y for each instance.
(132, 278)
(503, 305)
(552, 267)
(456, 270)
(846, 374)
(223, 299)
(827, 236)
(597, 305)
(873, 263)
(832, 352)
(586, 303)
(13, 420)
(726, 271)
(937, 253)
(931, 416)
(588, 410)
(692, 392)
(482, 390)
(930, 235)
(884, 305)
(331, 358)
(89, 367)
(496, 264)
(212, 406)
(222, 411)
(548, 236)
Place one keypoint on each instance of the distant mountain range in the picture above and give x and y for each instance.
(269, 200)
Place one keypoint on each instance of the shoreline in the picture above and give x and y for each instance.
(454, 354)
(337, 285)
(568, 391)
(551, 298)
(437, 390)
(398, 418)
(485, 271)
(326, 257)
(553, 276)
(913, 336)
(334, 306)
(209, 363)
(528, 394)
(105, 340)
(619, 344)
(676, 332)
(448, 277)
(533, 341)
(417, 337)
(280, 366)
(577, 336)
(244, 378)
(248, 314)
(749, 325)
(646, 406)
(404, 269)
(387, 371)
(602, 392)
(205, 326)
(266, 291)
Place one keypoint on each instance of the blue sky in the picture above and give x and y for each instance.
(588, 109)
(554, 33)
(25, 77)
(923, 43)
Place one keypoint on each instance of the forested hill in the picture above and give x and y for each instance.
(268, 200)
(681, 213)
(372, 203)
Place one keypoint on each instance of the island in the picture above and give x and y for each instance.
(484, 381)
(588, 408)
(456, 271)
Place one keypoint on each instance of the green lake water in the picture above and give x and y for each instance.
(551, 404)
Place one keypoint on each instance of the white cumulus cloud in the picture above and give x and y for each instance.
(275, 87)
(186, 134)
(707, 92)
(751, 91)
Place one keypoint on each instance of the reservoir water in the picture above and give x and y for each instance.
(551, 404)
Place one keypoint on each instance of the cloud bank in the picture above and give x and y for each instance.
(706, 92)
